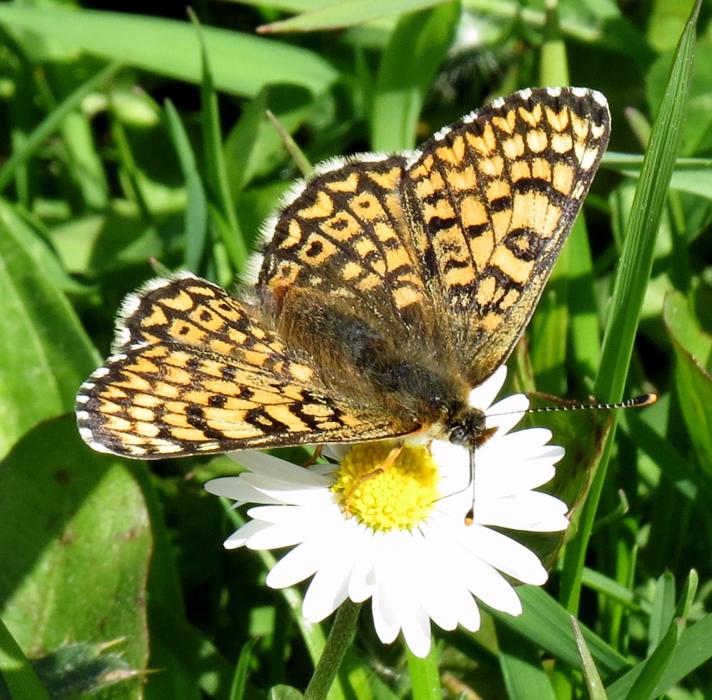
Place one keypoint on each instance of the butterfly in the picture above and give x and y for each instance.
(386, 288)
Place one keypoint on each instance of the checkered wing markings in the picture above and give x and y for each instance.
(196, 374)
(492, 201)
(345, 236)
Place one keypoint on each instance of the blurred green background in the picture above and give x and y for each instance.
(134, 138)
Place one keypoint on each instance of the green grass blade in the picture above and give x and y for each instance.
(631, 281)
(648, 204)
(551, 322)
(693, 382)
(693, 651)
(420, 42)
(654, 666)
(239, 682)
(221, 196)
(169, 48)
(196, 213)
(52, 122)
(84, 163)
(590, 672)
(16, 671)
(662, 611)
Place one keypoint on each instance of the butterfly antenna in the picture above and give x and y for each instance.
(470, 515)
(633, 402)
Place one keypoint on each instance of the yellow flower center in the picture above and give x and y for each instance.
(387, 486)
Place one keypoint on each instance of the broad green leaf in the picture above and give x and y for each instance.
(45, 353)
(76, 557)
(521, 667)
(693, 357)
(79, 668)
(336, 15)
(171, 48)
(30, 232)
(191, 663)
(546, 624)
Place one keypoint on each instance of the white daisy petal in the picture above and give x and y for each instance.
(275, 537)
(491, 587)
(483, 395)
(524, 442)
(468, 611)
(505, 554)
(362, 580)
(505, 414)
(437, 586)
(416, 631)
(328, 589)
(512, 479)
(335, 451)
(533, 511)
(303, 561)
(241, 537)
(267, 465)
(237, 489)
(386, 628)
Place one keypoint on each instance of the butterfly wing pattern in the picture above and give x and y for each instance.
(385, 283)
(194, 372)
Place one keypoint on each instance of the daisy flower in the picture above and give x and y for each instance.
(399, 535)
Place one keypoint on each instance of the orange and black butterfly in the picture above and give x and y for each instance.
(387, 287)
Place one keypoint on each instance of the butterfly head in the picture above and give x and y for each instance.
(468, 428)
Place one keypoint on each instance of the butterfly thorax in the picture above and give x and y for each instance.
(358, 358)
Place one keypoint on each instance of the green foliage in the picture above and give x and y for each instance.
(132, 140)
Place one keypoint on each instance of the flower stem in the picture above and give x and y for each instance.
(425, 675)
(340, 636)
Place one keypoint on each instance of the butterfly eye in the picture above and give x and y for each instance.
(459, 435)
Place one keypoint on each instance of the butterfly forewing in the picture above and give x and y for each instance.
(344, 235)
(490, 202)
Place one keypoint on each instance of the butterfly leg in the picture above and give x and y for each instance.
(314, 458)
(391, 457)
